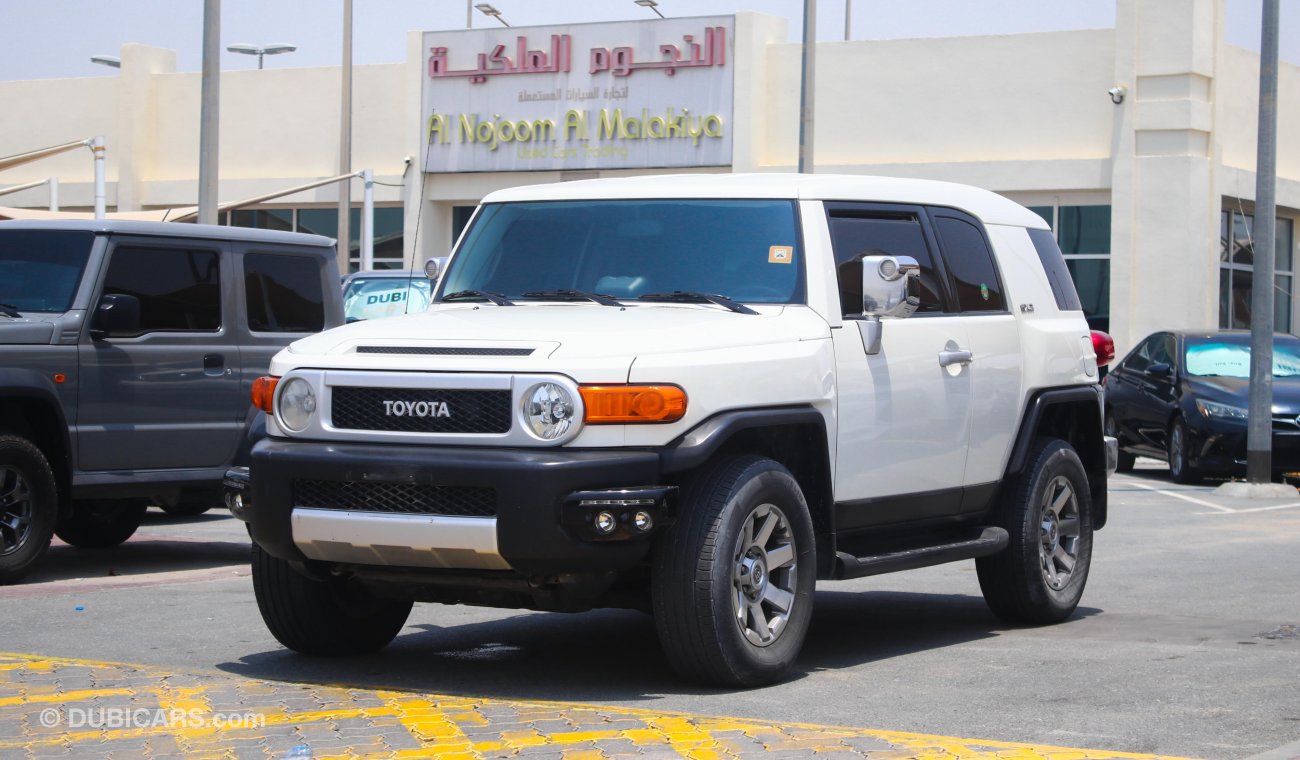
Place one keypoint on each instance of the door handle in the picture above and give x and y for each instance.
(214, 364)
(949, 358)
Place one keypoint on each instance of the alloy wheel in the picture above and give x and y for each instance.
(16, 510)
(764, 574)
(1059, 532)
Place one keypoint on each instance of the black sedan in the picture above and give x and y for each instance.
(1183, 397)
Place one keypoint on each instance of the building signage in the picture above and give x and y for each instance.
(582, 96)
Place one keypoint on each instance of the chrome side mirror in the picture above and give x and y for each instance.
(888, 290)
(434, 267)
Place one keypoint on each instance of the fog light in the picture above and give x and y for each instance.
(643, 521)
(605, 522)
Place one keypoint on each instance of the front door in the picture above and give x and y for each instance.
(166, 396)
(904, 413)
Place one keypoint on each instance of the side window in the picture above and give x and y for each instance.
(178, 289)
(856, 234)
(1058, 275)
(1162, 350)
(969, 260)
(1141, 357)
(283, 293)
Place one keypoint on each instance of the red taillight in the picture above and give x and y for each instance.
(264, 392)
(1104, 347)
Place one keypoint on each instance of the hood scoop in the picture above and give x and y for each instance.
(445, 350)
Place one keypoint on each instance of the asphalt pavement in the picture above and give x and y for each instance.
(1187, 643)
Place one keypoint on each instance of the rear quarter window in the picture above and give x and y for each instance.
(1058, 275)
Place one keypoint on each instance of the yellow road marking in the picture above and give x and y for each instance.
(456, 728)
(63, 697)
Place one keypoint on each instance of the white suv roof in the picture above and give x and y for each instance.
(989, 207)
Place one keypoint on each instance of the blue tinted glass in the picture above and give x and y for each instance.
(743, 249)
(1084, 229)
(1231, 358)
(40, 269)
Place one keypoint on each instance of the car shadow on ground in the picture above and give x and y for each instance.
(155, 516)
(141, 554)
(614, 654)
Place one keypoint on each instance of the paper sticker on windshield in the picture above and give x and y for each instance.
(780, 254)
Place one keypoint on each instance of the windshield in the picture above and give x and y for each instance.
(1231, 357)
(373, 297)
(40, 269)
(746, 250)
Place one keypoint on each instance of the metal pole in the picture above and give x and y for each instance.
(209, 111)
(806, 88)
(469, 14)
(97, 147)
(848, 19)
(54, 193)
(1259, 435)
(345, 145)
(368, 219)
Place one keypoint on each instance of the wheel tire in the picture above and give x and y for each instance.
(1047, 510)
(1125, 460)
(742, 548)
(1180, 468)
(335, 619)
(101, 523)
(29, 505)
(185, 509)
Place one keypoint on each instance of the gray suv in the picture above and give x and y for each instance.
(127, 354)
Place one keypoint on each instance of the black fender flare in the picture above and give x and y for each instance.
(1088, 441)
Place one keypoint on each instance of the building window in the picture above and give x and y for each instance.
(1083, 234)
(1236, 270)
(389, 222)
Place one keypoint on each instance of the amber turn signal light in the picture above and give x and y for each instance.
(618, 404)
(264, 392)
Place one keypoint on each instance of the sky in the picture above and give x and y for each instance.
(43, 39)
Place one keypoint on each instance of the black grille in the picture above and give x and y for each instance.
(396, 498)
(444, 351)
(412, 410)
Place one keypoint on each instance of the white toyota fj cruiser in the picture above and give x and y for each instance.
(694, 395)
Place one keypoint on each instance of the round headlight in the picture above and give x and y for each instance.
(549, 411)
(297, 404)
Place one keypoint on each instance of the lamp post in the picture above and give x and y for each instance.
(651, 4)
(107, 60)
(345, 146)
(487, 10)
(261, 50)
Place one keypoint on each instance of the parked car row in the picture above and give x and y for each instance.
(1182, 396)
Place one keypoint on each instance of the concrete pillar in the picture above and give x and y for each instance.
(753, 87)
(1165, 223)
(137, 119)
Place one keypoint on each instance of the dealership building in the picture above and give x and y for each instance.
(1136, 143)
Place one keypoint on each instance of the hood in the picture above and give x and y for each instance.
(538, 336)
(1236, 391)
(25, 331)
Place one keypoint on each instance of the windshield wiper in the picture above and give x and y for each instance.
(574, 295)
(9, 310)
(691, 296)
(464, 295)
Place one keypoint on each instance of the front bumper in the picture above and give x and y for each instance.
(524, 501)
(1219, 448)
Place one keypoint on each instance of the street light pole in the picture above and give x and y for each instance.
(806, 98)
(209, 110)
(261, 50)
(345, 146)
(1259, 432)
